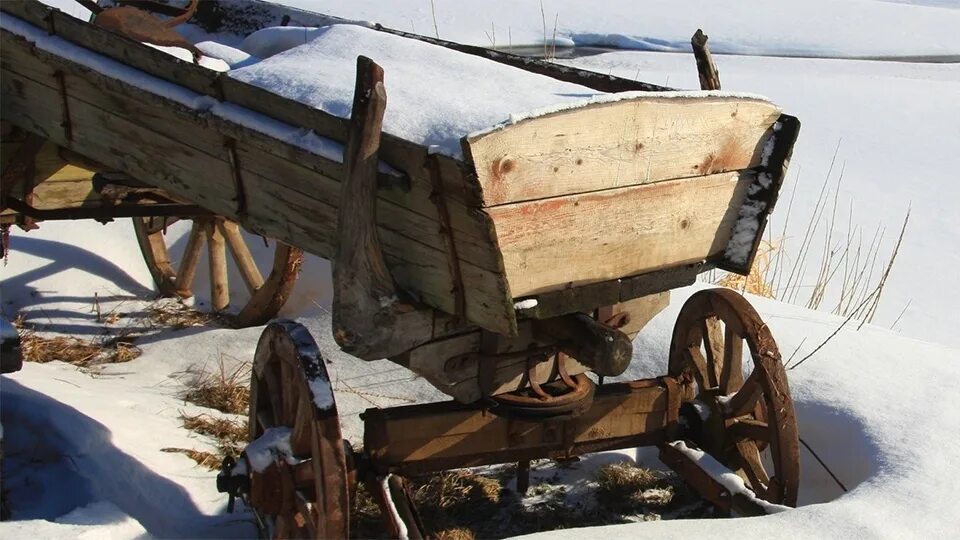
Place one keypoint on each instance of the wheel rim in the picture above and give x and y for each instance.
(748, 416)
(219, 236)
(290, 388)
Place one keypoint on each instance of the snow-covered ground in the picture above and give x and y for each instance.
(84, 449)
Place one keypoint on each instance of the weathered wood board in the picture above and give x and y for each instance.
(622, 143)
(436, 436)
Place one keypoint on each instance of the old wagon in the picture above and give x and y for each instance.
(503, 254)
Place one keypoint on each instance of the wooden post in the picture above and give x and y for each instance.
(709, 76)
(369, 319)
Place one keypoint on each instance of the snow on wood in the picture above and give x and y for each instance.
(436, 96)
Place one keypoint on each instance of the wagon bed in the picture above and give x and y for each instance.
(558, 212)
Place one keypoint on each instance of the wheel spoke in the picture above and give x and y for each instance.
(713, 345)
(731, 377)
(748, 429)
(291, 398)
(219, 287)
(700, 367)
(743, 401)
(300, 438)
(275, 392)
(241, 255)
(188, 264)
(752, 467)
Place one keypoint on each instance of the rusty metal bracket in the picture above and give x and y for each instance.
(66, 124)
(447, 236)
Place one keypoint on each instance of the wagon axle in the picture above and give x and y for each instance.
(298, 474)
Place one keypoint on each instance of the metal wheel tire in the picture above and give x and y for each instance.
(747, 416)
(267, 295)
(290, 388)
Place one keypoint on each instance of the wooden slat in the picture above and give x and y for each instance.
(577, 239)
(623, 143)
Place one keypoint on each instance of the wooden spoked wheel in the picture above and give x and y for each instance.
(303, 495)
(747, 417)
(267, 295)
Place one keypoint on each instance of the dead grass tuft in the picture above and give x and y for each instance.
(231, 435)
(178, 316)
(454, 503)
(225, 389)
(455, 533)
(626, 488)
(203, 458)
(758, 280)
(76, 351)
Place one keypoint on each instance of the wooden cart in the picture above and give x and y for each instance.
(502, 278)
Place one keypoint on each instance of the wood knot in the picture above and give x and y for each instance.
(503, 166)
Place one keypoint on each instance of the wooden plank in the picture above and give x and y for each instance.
(118, 143)
(763, 194)
(567, 241)
(588, 297)
(256, 150)
(421, 438)
(623, 143)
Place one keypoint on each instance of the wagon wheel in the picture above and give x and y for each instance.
(267, 296)
(290, 390)
(747, 417)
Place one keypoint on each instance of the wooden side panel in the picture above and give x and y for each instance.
(290, 194)
(578, 239)
(623, 143)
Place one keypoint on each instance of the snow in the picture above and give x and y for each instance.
(529, 303)
(457, 95)
(272, 445)
(744, 232)
(752, 27)
(725, 477)
(392, 508)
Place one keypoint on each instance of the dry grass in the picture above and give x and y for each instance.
(178, 316)
(76, 351)
(626, 488)
(226, 389)
(454, 504)
(231, 435)
(203, 458)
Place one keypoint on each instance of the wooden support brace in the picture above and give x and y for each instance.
(605, 350)
(709, 76)
(370, 320)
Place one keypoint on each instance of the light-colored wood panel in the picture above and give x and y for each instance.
(633, 141)
(578, 239)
